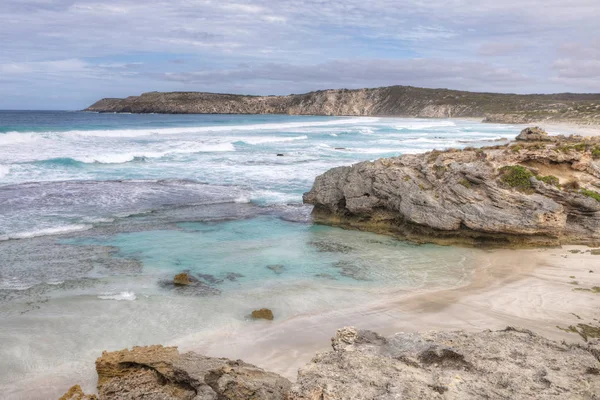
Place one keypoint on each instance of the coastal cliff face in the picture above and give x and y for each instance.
(405, 101)
(507, 364)
(541, 190)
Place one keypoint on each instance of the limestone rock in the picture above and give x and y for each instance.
(509, 364)
(503, 195)
(263, 313)
(76, 393)
(534, 134)
(161, 373)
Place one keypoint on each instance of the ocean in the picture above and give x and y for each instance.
(98, 212)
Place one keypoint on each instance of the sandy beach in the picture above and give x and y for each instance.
(536, 289)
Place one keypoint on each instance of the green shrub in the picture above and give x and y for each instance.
(596, 152)
(548, 180)
(465, 183)
(516, 148)
(516, 176)
(591, 193)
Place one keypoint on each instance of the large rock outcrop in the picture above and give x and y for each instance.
(161, 373)
(509, 364)
(403, 101)
(529, 193)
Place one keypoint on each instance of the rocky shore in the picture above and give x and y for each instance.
(507, 364)
(540, 191)
(401, 101)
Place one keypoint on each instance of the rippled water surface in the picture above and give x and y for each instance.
(98, 212)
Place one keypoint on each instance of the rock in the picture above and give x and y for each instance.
(161, 373)
(276, 268)
(595, 252)
(182, 279)
(75, 393)
(508, 364)
(516, 195)
(263, 313)
(233, 276)
(534, 134)
(279, 154)
(186, 284)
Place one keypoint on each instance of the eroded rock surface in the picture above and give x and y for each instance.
(161, 373)
(528, 193)
(509, 364)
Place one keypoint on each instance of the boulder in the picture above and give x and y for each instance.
(534, 134)
(162, 373)
(263, 313)
(76, 393)
(182, 279)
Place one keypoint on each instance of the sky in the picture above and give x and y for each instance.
(66, 54)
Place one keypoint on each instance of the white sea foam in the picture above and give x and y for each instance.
(274, 139)
(128, 296)
(416, 125)
(219, 128)
(120, 158)
(4, 170)
(59, 230)
(16, 138)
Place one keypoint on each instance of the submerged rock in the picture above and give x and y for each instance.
(508, 364)
(534, 193)
(276, 268)
(187, 284)
(162, 373)
(263, 313)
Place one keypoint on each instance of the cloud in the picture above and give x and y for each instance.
(509, 45)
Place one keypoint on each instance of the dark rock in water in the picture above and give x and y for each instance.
(182, 279)
(329, 247)
(210, 278)
(351, 270)
(263, 313)
(535, 134)
(276, 268)
(187, 284)
(161, 373)
(339, 148)
(233, 276)
(326, 276)
(279, 154)
(76, 393)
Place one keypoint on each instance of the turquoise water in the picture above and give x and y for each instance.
(98, 212)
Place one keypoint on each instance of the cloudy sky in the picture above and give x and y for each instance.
(65, 54)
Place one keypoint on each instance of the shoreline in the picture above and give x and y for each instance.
(527, 288)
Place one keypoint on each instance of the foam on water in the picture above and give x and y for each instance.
(127, 296)
(110, 207)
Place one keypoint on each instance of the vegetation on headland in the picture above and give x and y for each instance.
(404, 101)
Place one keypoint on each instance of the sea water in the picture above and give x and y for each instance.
(98, 212)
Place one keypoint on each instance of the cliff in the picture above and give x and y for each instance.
(508, 364)
(542, 190)
(403, 101)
